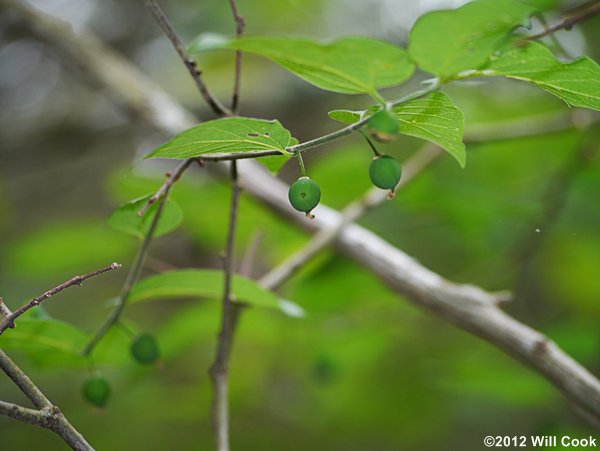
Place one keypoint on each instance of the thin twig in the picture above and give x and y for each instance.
(189, 62)
(132, 278)
(582, 14)
(555, 41)
(166, 186)
(219, 370)
(9, 321)
(24, 414)
(47, 416)
(5, 312)
(240, 24)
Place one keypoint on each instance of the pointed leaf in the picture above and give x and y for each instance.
(345, 116)
(445, 43)
(350, 65)
(577, 82)
(203, 283)
(126, 219)
(227, 135)
(433, 118)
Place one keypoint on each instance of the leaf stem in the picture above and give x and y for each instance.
(301, 162)
(373, 148)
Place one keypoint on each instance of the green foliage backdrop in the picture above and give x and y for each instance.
(334, 360)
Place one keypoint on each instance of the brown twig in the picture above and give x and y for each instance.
(240, 24)
(579, 15)
(9, 321)
(189, 62)
(219, 370)
(166, 186)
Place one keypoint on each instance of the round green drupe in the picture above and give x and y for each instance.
(385, 172)
(144, 349)
(304, 194)
(96, 390)
(384, 124)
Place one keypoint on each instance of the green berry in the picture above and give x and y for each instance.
(304, 194)
(384, 125)
(96, 390)
(385, 172)
(144, 349)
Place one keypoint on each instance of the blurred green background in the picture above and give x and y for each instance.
(364, 370)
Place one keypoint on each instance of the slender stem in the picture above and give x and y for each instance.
(189, 62)
(9, 321)
(301, 163)
(132, 278)
(555, 41)
(370, 143)
(174, 177)
(219, 370)
(240, 24)
(580, 14)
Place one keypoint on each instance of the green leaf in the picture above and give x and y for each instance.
(345, 116)
(433, 118)
(48, 342)
(445, 43)
(126, 219)
(276, 162)
(227, 135)
(203, 283)
(577, 82)
(349, 65)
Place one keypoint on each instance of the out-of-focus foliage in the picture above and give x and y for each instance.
(363, 369)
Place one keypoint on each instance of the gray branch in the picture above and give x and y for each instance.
(47, 415)
(466, 306)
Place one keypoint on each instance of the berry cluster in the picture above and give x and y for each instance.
(384, 171)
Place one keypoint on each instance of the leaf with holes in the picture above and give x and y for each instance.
(350, 65)
(204, 283)
(445, 43)
(433, 118)
(577, 82)
(227, 135)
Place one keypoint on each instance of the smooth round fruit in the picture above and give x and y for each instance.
(385, 172)
(96, 390)
(384, 125)
(144, 349)
(304, 194)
